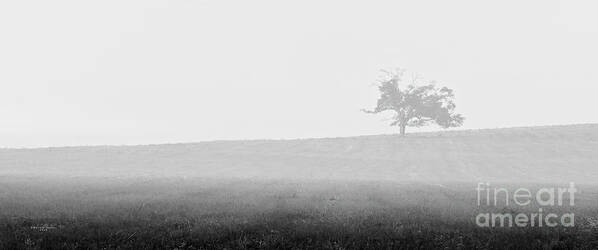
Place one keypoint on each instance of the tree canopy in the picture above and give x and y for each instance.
(416, 102)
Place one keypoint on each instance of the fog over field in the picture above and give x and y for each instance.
(551, 154)
(421, 191)
(267, 124)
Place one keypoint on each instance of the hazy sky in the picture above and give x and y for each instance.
(138, 72)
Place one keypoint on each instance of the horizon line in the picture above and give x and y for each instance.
(295, 139)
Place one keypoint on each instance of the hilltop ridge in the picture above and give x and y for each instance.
(542, 154)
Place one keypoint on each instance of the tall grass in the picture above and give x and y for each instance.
(95, 213)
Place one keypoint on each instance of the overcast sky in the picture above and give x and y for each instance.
(139, 72)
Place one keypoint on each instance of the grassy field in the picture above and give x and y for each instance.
(83, 213)
(371, 192)
(538, 154)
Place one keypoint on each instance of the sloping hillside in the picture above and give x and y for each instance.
(535, 154)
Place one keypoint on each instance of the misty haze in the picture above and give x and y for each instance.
(298, 125)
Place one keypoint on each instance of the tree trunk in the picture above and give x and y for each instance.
(403, 129)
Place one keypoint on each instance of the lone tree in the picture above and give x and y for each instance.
(415, 102)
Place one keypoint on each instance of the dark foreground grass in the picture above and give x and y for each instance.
(93, 213)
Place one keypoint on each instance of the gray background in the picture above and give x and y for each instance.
(138, 72)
